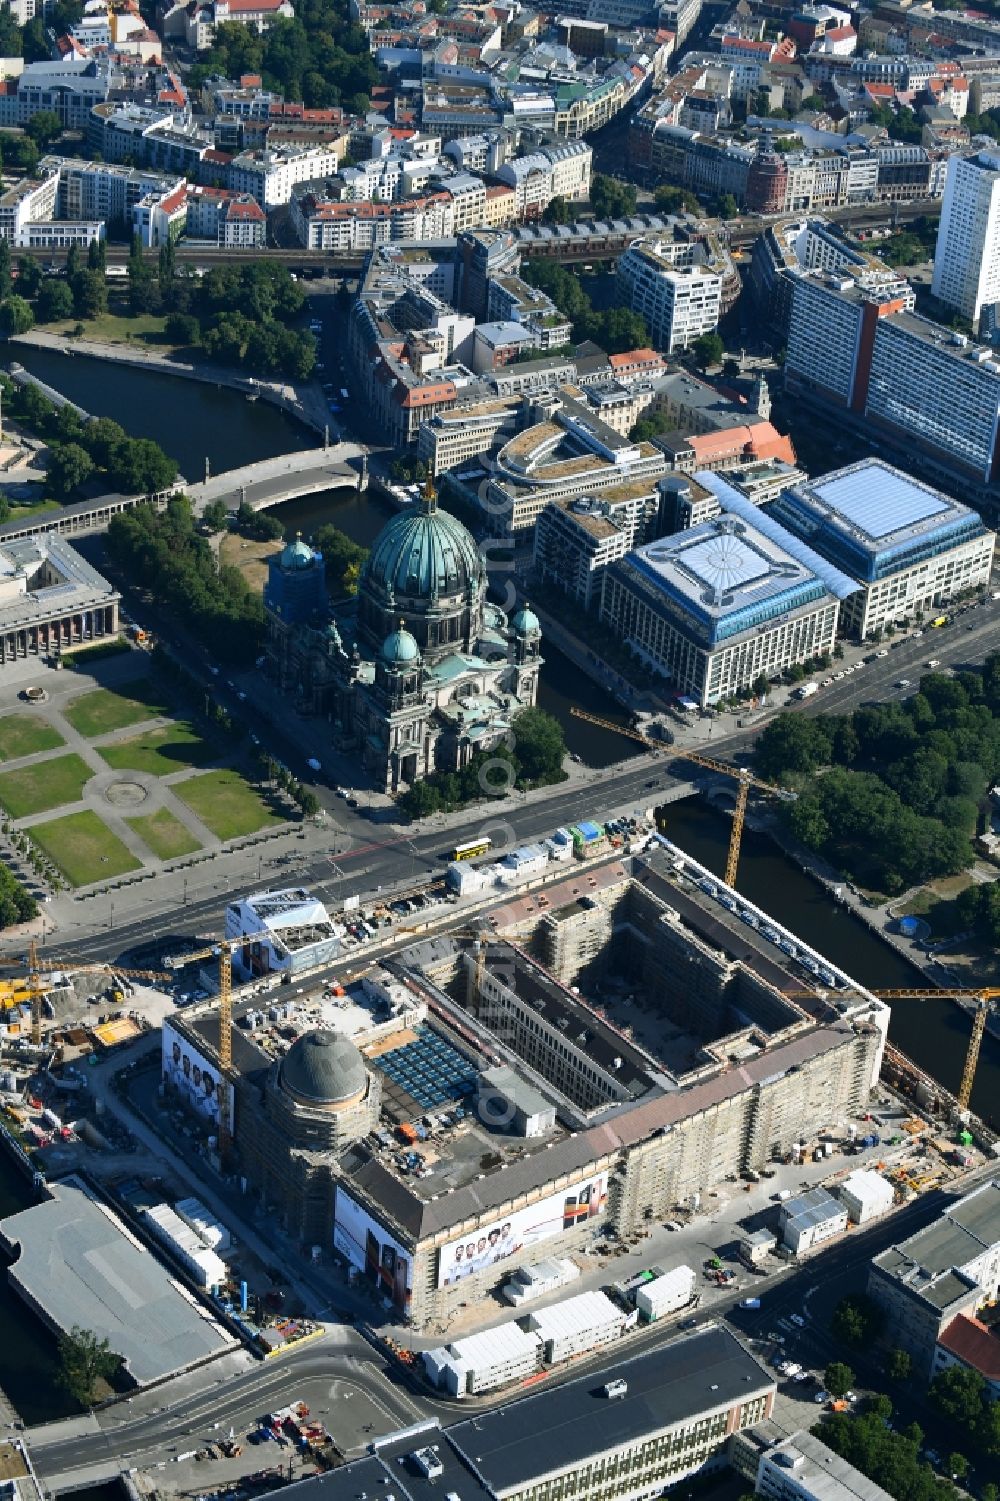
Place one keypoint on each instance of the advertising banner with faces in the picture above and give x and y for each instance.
(520, 1232)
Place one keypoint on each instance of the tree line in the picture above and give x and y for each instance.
(891, 793)
(534, 758)
(616, 329)
(321, 57)
(81, 449)
(164, 553)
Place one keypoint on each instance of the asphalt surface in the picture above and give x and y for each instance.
(148, 1437)
(144, 1437)
(369, 856)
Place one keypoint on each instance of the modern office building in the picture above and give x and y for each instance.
(950, 1268)
(910, 548)
(625, 1433)
(967, 254)
(572, 453)
(717, 606)
(575, 540)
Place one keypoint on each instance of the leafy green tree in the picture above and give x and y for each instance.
(70, 466)
(611, 199)
(308, 802)
(182, 328)
(673, 200)
(857, 1320)
(6, 278)
(54, 301)
(29, 276)
(140, 467)
(43, 128)
(215, 516)
(708, 349)
(90, 294)
(958, 1393)
(958, 1466)
(16, 904)
(727, 207)
(420, 800)
(557, 211)
(4, 507)
(899, 1365)
(539, 745)
(16, 317)
(97, 256)
(838, 1378)
(84, 1360)
(343, 558)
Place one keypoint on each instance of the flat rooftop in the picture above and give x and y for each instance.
(564, 1427)
(821, 1473)
(870, 515)
(79, 1265)
(725, 575)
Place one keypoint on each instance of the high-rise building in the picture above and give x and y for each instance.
(967, 256)
(926, 389)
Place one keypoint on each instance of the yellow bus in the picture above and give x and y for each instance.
(471, 849)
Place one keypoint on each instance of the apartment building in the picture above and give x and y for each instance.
(967, 255)
(950, 1268)
(674, 288)
(926, 388)
(909, 547)
(575, 540)
(269, 175)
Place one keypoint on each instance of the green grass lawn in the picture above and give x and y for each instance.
(49, 784)
(25, 735)
(226, 804)
(84, 848)
(166, 836)
(117, 328)
(38, 508)
(159, 751)
(105, 709)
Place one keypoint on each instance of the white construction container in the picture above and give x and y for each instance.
(865, 1195)
(577, 1324)
(666, 1294)
(201, 1263)
(466, 879)
(484, 1361)
(541, 1277)
(203, 1223)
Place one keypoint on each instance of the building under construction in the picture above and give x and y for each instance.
(624, 1041)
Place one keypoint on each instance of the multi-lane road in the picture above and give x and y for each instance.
(370, 855)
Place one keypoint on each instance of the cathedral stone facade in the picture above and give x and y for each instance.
(423, 670)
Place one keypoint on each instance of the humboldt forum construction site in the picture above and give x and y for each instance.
(579, 1055)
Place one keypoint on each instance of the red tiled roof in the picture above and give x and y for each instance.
(974, 1344)
(634, 357)
(244, 208)
(175, 199)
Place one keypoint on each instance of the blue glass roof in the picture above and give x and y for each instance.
(873, 520)
(878, 499)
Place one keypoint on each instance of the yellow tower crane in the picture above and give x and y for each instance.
(223, 947)
(29, 987)
(984, 999)
(743, 778)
